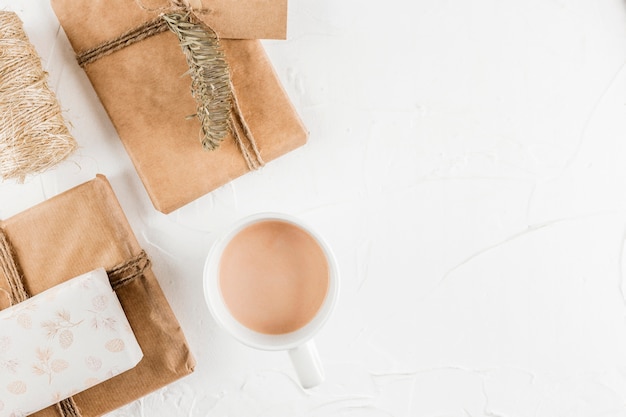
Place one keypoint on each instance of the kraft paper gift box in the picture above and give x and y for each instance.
(148, 99)
(81, 230)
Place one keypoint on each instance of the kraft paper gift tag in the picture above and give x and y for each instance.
(148, 99)
(78, 231)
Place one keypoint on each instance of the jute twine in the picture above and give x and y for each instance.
(119, 275)
(33, 134)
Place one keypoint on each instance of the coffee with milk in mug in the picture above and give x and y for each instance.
(273, 276)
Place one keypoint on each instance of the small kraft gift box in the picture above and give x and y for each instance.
(149, 60)
(71, 234)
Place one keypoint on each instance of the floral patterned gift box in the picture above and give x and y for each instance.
(61, 342)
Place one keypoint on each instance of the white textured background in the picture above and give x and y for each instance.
(467, 163)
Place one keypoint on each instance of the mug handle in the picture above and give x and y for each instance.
(307, 364)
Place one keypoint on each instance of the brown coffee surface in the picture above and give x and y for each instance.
(274, 277)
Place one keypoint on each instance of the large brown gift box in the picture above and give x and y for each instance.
(76, 232)
(147, 96)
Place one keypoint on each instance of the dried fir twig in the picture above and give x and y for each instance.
(210, 76)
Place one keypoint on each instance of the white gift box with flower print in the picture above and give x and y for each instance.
(63, 341)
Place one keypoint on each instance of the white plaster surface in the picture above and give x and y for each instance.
(467, 163)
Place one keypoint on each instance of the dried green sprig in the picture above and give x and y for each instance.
(210, 75)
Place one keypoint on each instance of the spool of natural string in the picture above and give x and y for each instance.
(33, 133)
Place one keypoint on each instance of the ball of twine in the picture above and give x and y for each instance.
(33, 133)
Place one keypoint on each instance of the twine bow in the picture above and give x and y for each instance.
(119, 276)
(217, 107)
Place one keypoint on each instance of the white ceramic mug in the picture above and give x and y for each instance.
(298, 343)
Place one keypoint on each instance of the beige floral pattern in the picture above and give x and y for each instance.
(25, 321)
(20, 313)
(17, 387)
(61, 342)
(48, 365)
(61, 321)
(93, 363)
(100, 302)
(66, 338)
(115, 345)
(7, 364)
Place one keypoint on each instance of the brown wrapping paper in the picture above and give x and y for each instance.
(148, 101)
(76, 232)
